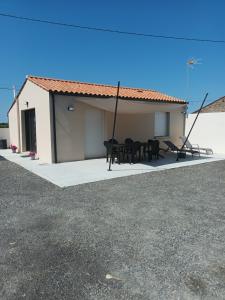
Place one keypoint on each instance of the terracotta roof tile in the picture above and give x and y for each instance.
(91, 89)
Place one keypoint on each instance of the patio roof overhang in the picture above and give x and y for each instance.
(132, 106)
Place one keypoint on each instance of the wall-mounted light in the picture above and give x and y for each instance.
(27, 104)
(70, 108)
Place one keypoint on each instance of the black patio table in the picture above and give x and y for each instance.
(120, 150)
(146, 148)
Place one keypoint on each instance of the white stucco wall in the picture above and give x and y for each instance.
(139, 127)
(38, 99)
(209, 130)
(13, 128)
(4, 134)
(177, 126)
(69, 128)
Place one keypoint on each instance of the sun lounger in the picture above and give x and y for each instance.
(174, 148)
(188, 145)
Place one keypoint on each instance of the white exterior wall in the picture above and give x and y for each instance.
(209, 130)
(177, 126)
(69, 128)
(139, 127)
(13, 126)
(4, 135)
(38, 99)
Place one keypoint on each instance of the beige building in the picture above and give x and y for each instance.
(66, 120)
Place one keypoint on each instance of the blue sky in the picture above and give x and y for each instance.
(45, 50)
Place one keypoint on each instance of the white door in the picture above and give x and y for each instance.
(94, 133)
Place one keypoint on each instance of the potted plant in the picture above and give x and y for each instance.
(14, 148)
(32, 155)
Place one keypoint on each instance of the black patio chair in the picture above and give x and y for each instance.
(108, 146)
(147, 150)
(154, 148)
(113, 150)
(113, 140)
(136, 152)
(128, 150)
(128, 141)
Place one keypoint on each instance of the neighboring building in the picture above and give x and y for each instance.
(67, 120)
(4, 135)
(209, 130)
(215, 106)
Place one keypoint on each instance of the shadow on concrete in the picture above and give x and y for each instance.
(171, 158)
(166, 160)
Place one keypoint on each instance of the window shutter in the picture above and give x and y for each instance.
(161, 124)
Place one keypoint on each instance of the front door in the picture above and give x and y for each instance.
(30, 130)
(94, 133)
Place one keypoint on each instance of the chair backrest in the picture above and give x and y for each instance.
(150, 143)
(171, 145)
(113, 141)
(109, 146)
(136, 146)
(128, 141)
(187, 143)
(106, 144)
(155, 147)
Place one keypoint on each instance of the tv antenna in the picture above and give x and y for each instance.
(191, 63)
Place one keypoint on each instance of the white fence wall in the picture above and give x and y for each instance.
(209, 130)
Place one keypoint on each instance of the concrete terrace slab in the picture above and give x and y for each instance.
(80, 172)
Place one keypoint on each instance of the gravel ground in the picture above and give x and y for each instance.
(159, 235)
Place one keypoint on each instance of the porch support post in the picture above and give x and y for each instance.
(203, 102)
(114, 125)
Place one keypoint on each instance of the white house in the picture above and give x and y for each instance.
(65, 120)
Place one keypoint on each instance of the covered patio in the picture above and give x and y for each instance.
(66, 121)
(140, 121)
(93, 170)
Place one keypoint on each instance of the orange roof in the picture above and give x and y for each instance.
(100, 90)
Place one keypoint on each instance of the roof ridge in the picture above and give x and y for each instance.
(90, 83)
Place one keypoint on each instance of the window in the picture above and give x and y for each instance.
(162, 123)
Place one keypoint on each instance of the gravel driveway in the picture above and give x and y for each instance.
(158, 236)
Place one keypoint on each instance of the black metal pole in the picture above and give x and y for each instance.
(203, 102)
(114, 125)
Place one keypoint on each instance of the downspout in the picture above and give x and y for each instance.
(185, 119)
(54, 128)
(18, 124)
